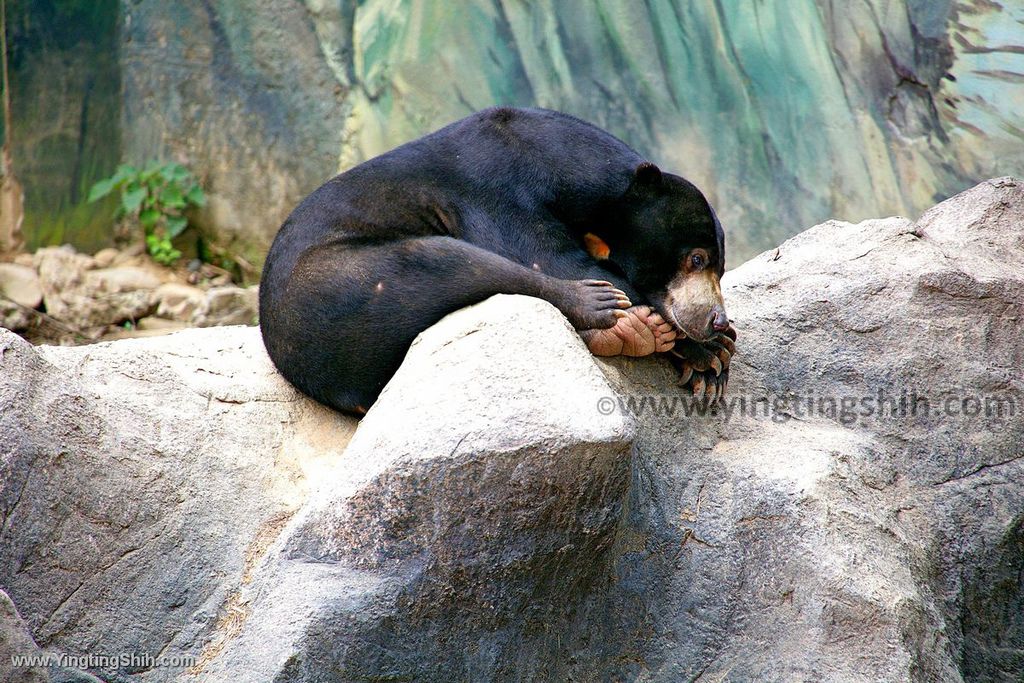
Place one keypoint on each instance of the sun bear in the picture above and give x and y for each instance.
(506, 201)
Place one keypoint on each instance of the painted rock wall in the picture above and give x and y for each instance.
(786, 112)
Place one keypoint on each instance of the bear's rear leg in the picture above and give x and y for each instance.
(641, 333)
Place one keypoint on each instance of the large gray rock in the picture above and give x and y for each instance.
(17, 649)
(834, 544)
(480, 495)
(514, 509)
(141, 480)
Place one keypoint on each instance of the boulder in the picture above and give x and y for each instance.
(515, 509)
(17, 649)
(855, 510)
(141, 480)
(475, 512)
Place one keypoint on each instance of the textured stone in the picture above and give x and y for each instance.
(16, 641)
(228, 306)
(140, 480)
(75, 294)
(831, 544)
(122, 279)
(178, 302)
(476, 512)
(20, 284)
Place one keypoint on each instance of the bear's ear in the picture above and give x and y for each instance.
(596, 247)
(647, 175)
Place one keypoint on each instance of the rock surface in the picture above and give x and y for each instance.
(20, 284)
(15, 643)
(142, 479)
(514, 509)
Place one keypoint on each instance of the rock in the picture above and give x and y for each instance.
(20, 284)
(228, 306)
(832, 544)
(122, 279)
(154, 324)
(179, 302)
(476, 518)
(104, 258)
(514, 509)
(16, 642)
(84, 299)
(15, 317)
(141, 480)
(132, 255)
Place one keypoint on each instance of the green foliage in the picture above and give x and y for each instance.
(156, 197)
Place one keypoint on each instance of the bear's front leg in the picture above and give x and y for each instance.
(704, 366)
(641, 333)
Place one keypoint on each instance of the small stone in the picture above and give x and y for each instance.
(229, 306)
(122, 279)
(104, 258)
(153, 323)
(14, 317)
(132, 255)
(178, 302)
(20, 284)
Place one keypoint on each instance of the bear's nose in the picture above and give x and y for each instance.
(719, 320)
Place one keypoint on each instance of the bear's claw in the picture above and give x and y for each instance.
(704, 366)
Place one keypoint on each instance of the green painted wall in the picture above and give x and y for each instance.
(66, 103)
(786, 112)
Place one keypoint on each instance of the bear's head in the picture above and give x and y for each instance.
(666, 239)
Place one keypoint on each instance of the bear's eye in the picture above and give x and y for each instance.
(697, 260)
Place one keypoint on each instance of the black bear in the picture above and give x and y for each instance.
(513, 201)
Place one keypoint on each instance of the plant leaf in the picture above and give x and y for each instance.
(148, 218)
(171, 196)
(101, 189)
(153, 168)
(123, 173)
(196, 196)
(132, 198)
(176, 225)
